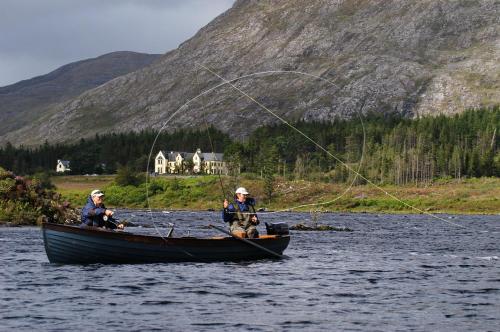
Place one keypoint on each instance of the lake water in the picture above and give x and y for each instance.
(393, 272)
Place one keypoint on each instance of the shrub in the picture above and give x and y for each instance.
(44, 180)
(27, 201)
(125, 176)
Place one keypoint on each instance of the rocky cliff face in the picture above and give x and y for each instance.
(409, 56)
(22, 102)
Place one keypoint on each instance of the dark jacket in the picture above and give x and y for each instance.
(230, 213)
(93, 215)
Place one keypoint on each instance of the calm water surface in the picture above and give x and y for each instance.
(391, 273)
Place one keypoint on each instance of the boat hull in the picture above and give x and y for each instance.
(73, 245)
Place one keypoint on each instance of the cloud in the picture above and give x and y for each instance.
(39, 36)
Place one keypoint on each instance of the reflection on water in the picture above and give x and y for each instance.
(393, 272)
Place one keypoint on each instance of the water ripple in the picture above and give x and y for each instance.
(392, 273)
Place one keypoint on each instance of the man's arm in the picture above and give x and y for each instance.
(89, 212)
(251, 205)
(227, 212)
(96, 212)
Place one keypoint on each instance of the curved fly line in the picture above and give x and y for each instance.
(230, 82)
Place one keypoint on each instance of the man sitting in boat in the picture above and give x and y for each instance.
(241, 214)
(94, 213)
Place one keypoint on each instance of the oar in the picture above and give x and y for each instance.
(248, 242)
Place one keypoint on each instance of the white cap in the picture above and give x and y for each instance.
(97, 193)
(241, 190)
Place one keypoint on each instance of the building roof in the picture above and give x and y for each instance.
(170, 155)
(206, 156)
(209, 156)
(65, 163)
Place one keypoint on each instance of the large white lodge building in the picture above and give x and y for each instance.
(175, 162)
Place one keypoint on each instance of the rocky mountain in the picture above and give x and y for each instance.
(414, 57)
(22, 102)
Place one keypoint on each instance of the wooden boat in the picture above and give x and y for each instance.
(74, 245)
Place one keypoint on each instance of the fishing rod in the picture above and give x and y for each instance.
(188, 102)
(324, 149)
(224, 192)
(224, 82)
(204, 105)
(113, 221)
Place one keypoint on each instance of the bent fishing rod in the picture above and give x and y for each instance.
(243, 93)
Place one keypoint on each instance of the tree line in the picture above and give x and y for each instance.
(386, 148)
(106, 153)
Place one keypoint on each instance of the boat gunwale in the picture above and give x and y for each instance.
(148, 239)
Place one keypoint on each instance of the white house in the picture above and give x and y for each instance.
(197, 161)
(186, 162)
(161, 163)
(62, 166)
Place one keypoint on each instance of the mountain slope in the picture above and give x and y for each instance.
(24, 101)
(408, 56)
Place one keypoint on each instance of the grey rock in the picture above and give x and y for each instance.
(413, 57)
(23, 102)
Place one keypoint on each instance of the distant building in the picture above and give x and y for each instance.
(214, 163)
(62, 166)
(175, 162)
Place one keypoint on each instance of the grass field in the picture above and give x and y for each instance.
(76, 188)
(481, 196)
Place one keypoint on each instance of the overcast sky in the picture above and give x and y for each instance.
(38, 36)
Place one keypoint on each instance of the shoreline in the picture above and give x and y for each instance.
(203, 193)
(303, 211)
(476, 196)
(13, 225)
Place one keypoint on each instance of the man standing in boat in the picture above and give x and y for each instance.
(94, 213)
(241, 214)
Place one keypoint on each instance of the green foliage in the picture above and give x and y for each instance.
(44, 180)
(176, 184)
(393, 150)
(268, 162)
(128, 195)
(233, 155)
(165, 192)
(126, 176)
(156, 187)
